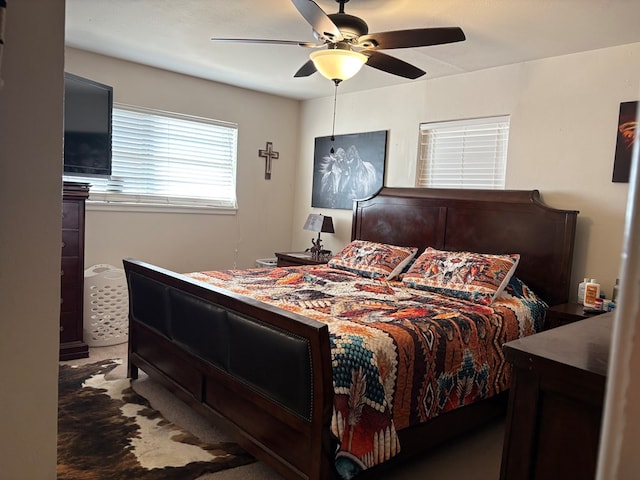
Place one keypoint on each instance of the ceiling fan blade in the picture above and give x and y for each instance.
(271, 42)
(307, 69)
(319, 21)
(419, 37)
(392, 65)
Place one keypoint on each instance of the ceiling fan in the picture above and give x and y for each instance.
(349, 44)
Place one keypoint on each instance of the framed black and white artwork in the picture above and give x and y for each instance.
(348, 168)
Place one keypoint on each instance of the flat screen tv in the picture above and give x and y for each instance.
(87, 127)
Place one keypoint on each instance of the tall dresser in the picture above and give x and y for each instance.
(72, 272)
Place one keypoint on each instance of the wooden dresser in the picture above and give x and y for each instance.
(72, 271)
(555, 401)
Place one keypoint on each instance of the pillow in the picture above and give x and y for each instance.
(373, 260)
(471, 276)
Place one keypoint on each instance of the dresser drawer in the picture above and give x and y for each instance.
(70, 300)
(70, 243)
(70, 330)
(71, 215)
(70, 270)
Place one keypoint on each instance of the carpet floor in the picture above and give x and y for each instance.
(474, 457)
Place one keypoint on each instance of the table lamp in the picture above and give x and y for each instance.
(318, 223)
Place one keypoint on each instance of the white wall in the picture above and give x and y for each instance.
(564, 114)
(188, 242)
(30, 222)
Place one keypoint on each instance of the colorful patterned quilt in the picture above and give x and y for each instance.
(401, 356)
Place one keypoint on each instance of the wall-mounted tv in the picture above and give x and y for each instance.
(87, 127)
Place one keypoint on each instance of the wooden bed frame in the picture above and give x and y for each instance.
(264, 374)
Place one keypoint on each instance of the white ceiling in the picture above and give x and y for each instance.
(175, 35)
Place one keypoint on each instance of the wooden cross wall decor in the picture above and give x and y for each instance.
(268, 154)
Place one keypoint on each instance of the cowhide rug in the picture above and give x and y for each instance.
(106, 431)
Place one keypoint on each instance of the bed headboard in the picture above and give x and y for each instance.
(483, 221)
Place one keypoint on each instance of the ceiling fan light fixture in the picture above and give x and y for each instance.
(337, 64)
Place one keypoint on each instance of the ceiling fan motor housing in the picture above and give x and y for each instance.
(350, 26)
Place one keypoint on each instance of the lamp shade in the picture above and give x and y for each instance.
(337, 64)
(319, 223)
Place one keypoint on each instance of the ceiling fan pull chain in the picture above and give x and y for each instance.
(333, 128)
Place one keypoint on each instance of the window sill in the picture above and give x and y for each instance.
(100, 206)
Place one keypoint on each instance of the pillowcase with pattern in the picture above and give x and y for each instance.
(373, 260)
(471, 276)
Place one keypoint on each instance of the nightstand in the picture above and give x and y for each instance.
(565, 313)
(296, 259)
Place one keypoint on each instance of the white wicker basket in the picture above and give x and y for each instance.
(106, 306)
(266, 262)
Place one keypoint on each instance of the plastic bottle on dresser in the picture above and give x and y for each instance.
(591, 292)
(581, 290)
(614, 295)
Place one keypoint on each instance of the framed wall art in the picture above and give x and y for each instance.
(627, 136)
(348, 168)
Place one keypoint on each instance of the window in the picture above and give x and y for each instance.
(162, 158)
(463, 153)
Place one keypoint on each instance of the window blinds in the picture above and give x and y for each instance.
(463, 154)
(165, 158)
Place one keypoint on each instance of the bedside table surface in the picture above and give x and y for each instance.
(572, 310)
(298, 258)
(565, 313)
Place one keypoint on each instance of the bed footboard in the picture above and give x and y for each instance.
(261, 373)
